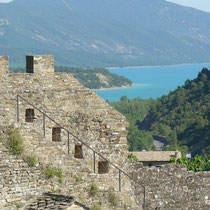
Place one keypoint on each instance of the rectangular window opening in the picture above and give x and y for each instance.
(78, 151)
(56, 134)
(29, 116)
(103, 167)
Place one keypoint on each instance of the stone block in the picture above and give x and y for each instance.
(40, 64)
(4, 65)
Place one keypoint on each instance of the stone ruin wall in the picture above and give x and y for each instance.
(167, 187)
(24, 187)
(91, 119)
(79, 110)
(37, 63)
(18, 181)
(71, 107)
(4, 65)
(171, 186)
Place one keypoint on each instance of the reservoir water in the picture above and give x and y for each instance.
(151, 82)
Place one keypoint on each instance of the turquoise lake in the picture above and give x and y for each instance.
(151, 82)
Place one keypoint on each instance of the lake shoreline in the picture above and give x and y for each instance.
(112, 88)
(169, 65)
(151, 82)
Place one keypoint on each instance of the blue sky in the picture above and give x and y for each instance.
(199, 4)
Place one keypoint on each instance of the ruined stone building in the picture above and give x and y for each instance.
(69, 127)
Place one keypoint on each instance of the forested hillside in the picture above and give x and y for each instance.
(183, 116)
(94, 78)
(135, 111)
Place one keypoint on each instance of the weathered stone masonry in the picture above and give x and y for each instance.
(36, 64)
(93, 121)
(171, 186)
(18, 180)
(79, 110)
(4, 65)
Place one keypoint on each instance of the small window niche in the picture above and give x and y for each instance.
(103, 167)
(56, 134)
(78, 151)
(29, 116)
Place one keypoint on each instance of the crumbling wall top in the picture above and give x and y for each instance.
(39, 64)
(4, 64)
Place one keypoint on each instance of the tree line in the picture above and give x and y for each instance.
(93, 78)
(182, 117)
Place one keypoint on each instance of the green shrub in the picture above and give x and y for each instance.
(1, 140)
(93, 189)
(125, 207)
(132, 156)
(54, 190)
(14, 142)
(96, 206)
(198, 163)
(51, 172)
(19, 205)
(113, 199)
(82, 198)
(31, 160)
(79, 178)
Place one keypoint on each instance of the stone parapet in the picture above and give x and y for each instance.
(4, 65)
(40, 64)
(171, 186)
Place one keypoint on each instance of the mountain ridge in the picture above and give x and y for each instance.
(105, 33)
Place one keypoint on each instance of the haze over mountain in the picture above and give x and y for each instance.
(105, 33)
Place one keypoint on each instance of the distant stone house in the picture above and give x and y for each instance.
(156, 158)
